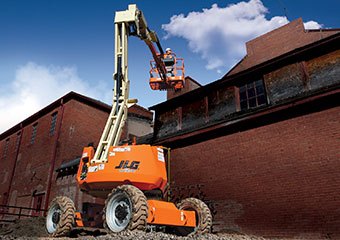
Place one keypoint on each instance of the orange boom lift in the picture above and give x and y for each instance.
(132, 178)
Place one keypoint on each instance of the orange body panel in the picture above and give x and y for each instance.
(166, 213)
(161, 213)
(79, 220)
(140, 165)
(143, 166)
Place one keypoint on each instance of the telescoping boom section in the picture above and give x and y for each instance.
(167, 73)
(133, 179)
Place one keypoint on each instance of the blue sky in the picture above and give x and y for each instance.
(48, 48)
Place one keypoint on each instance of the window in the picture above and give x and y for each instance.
(5, 149)
(17, 143)
(252, 95)
(53, 123)
(34, 132)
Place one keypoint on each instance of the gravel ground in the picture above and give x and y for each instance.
(34, 228)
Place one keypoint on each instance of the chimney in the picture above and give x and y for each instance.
(190, 84)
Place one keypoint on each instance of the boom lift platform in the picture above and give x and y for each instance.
(132, 179)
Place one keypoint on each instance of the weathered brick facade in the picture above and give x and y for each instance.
(29, 168)
(277, 179)
(270, 168)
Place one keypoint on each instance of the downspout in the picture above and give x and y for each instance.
(15, 165)
(54, 155)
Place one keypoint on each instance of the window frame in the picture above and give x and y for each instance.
(250, 96)
(34, 132)
(6, 147)
(54, 119)
(17, 141)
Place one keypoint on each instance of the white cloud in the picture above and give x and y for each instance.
(35, 86)
(312, 25)
(219, 34)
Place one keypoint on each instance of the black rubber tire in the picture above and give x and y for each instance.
(139, 216)
(203, 216)
(67, 216)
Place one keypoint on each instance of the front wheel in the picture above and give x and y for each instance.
(125, 209)
(203, 216)
(60, 217)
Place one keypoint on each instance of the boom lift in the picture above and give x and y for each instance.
(132, 178)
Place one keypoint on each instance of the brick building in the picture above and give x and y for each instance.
(39, 155)
(261, 145)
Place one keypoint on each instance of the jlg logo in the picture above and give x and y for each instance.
(124, 164)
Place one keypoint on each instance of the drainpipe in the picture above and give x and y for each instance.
(15, 165)
(54, 155)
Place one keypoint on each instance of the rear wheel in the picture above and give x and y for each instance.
(203, 216)
(60, 217)
(125, 209)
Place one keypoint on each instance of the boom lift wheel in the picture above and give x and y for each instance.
(203, 216)
(125, 209)
(60, 217)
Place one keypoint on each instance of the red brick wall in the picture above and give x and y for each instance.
(280, 179)
(7, 164)
(81, 125)
(279, 41)
(33, 162)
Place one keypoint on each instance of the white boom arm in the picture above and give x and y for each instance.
(129, 22)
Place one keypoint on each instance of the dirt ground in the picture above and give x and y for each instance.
(34, 228)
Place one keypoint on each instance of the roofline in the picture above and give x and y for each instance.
(236, 65)
(312, 48)
(323, 30)
(295, 53)
(62, 100)
(148, 114)
(193, 80)
(278, 29)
